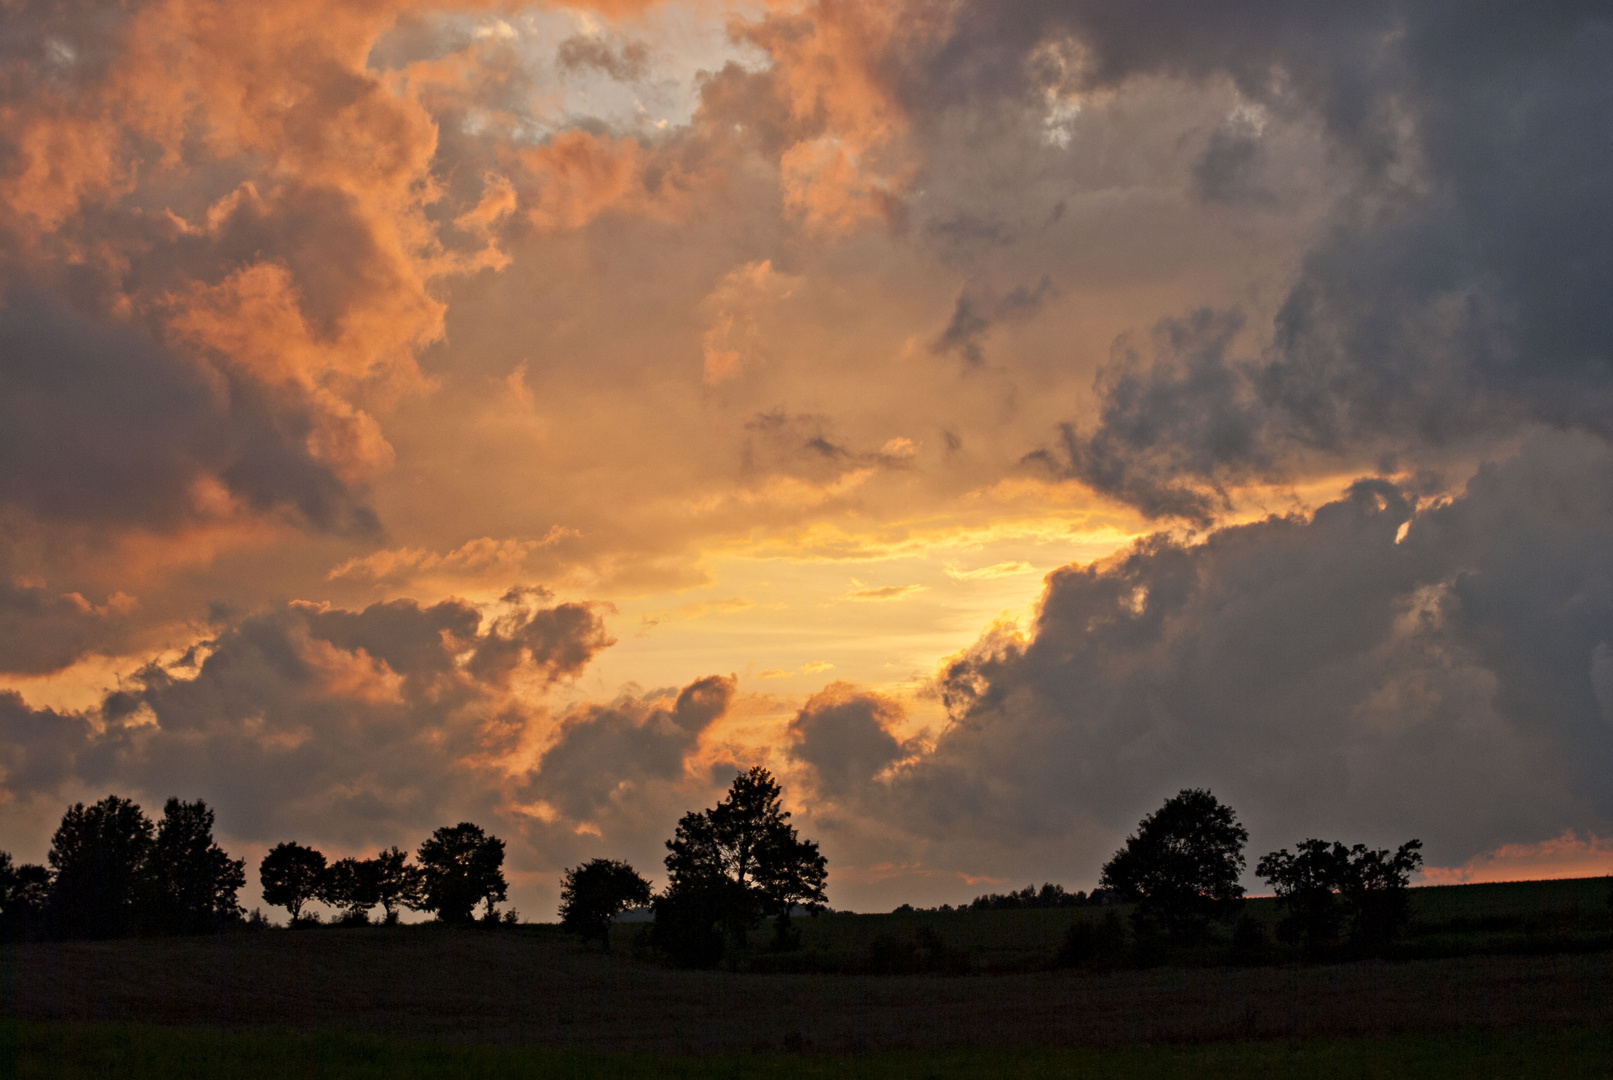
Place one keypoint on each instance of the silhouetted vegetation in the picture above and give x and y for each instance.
(292, 877)
(114, 873)
(1181, 867)
(1330, 891)
(593, 894)
(460, 867)
(731, 866)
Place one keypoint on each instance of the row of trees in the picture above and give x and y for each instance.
(113, 872)
(459, 867)
(1182, 869)
(728, 869)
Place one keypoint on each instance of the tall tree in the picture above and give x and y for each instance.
(292, 876)
(737, 862)
(593, 894)
(99, 855)
(1182, 865)
(397, 883)
(461, 866)
(194, 882)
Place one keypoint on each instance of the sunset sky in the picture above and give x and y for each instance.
(991, 416)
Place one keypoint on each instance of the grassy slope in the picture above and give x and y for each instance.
(70, 1052)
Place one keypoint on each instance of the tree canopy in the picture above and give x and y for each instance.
(1183, 863)
(593, 894)
(99, 856)
(1328, 889)
(732, 865)
(292, 876)
(461, 866)
(194, 881)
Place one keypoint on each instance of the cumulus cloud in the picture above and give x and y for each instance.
(1330, 674)
(349, 725)
(844, 734)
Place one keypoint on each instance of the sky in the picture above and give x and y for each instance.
(991, 417)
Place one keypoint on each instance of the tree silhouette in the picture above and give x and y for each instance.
(351, 886)
(1307, 884)
(194, 882)
(461, 867)
(733, 864)
(1182, 865)
(99, 857)
(292, 875)
(594, 893)
(24, 889)
(397, 883)
(1328, 886)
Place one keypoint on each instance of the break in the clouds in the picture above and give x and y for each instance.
(325, 324)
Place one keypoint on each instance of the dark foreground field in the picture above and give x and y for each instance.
(538, 988)
(80, 1051)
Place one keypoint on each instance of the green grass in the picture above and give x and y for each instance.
(35, 1051)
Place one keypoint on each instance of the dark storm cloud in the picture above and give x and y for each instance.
(357, 727)
(1376, 669)
(844, 734)
(1461, 290)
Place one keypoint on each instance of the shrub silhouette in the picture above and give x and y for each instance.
(1093, 945)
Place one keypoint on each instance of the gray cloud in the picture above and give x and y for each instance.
(1460, 291)
(977, 311)
(609, 754)
(1381, 669)
(354, 726)
(844, 735)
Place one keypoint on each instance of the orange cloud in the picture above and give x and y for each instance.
(1567, 856)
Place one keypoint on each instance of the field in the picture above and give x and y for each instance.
(1537, 977)
(80, 1051)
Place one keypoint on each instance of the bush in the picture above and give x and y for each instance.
(1093, 945)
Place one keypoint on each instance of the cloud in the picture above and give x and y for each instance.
(353, 726)
(608, 754)
(886, 592)
(1423, 312)
(1320, 676)
(843, 733)
(1566, 856)
(976, 312)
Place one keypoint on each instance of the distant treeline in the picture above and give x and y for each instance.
(112, 872)
(1048, 896)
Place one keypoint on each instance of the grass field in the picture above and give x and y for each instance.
(75, 1051)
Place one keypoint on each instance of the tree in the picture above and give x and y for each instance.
(733, 864)
(1182, 865)
(594, 893)
(23, 891)
(292, 875)
(194, 882)
(351, 886)
(396, 883)
(1378, 890)
(461, 866)
(99, 857)
(1307, 884)
(1327, 887)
